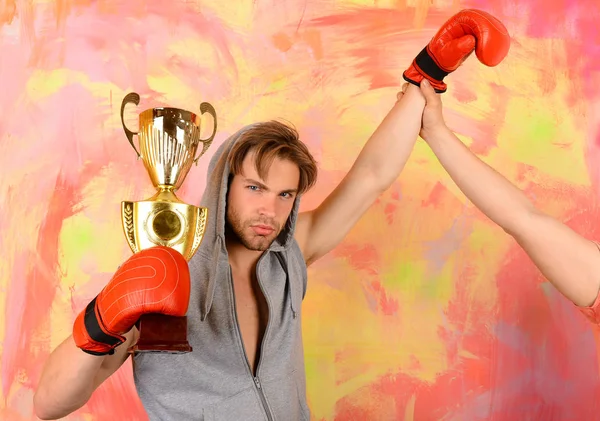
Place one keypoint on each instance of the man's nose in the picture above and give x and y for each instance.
(268, 207)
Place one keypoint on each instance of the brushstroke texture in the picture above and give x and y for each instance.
(426, 311)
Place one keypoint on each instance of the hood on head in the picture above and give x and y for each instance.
(213, 245)
(215, 197)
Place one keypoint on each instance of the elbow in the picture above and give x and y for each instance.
(41, 409)
(48, 415)
(45, 416)
(520, 222)
(374, 175)
(45, 409)
(377, 180)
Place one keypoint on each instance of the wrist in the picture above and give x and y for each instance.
(91, 335)
(434, 133)
(414, 95)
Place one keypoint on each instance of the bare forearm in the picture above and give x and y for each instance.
(67, 381)
(490, 192)
(568, 260)
(384, 155)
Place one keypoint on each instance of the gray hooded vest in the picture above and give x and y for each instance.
(214, 382)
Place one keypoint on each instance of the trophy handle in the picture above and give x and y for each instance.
(205, 107)
(135, 99)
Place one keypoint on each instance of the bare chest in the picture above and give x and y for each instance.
(252, 316)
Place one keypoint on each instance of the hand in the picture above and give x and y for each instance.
(400, 94)
(155, 280)
(408, 90)
(453, 44)
(433, 119)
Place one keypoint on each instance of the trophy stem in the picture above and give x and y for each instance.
(165, 193)
(161, 333)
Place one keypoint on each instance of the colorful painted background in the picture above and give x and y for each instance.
(427, 311)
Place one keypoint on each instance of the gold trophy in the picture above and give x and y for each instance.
(168, 140)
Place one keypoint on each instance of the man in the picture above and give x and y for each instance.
(248, 277)
(255, 181)
(568, 260)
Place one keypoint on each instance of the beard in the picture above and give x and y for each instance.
(246, 235)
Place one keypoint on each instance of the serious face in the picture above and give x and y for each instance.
(257, 209)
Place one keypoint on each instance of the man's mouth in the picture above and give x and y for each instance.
(261, 229)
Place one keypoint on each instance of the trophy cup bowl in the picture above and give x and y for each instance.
(169, 140)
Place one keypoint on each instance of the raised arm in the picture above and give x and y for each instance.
(386, 152)
(567, 259)
(379, 163)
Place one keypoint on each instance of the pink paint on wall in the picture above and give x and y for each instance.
(426, 311)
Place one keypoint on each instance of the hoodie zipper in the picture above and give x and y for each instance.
(262, 342)
(241, 343)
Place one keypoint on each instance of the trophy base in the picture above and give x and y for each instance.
(161, 333)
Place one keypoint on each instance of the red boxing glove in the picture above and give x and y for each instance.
(454, 42)
(155, 280)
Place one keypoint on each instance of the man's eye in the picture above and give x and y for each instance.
(253, 188)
